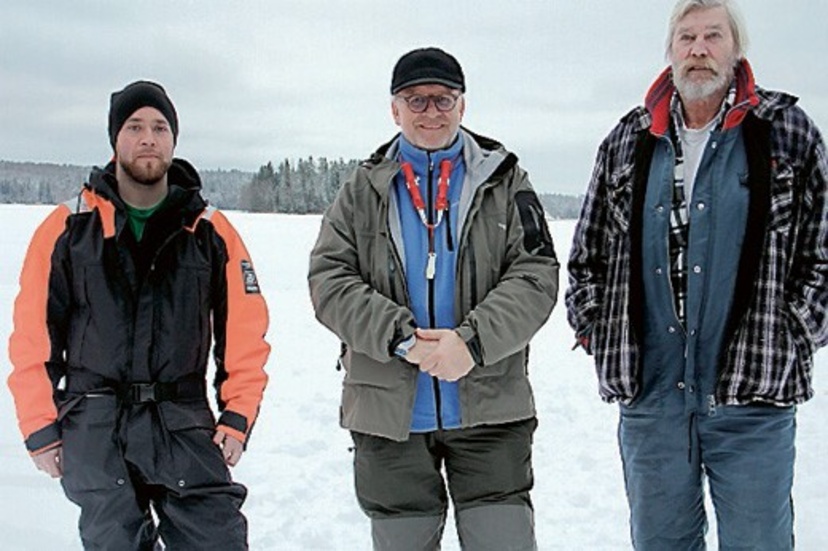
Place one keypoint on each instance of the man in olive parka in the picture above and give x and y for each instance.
(435, 267)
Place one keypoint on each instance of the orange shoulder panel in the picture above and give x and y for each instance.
(106, 210)
(246, 350)
(29, 344)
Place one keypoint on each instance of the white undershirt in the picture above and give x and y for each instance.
(693, 142)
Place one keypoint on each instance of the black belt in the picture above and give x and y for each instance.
(142, 393)
(190, 387)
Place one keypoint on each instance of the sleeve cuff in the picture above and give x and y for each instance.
(399, 338)
(472, 341)
(47, 437)
(403, 347)
(235, 421)
(583, 339)
(240, 436)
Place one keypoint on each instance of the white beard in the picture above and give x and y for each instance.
(691, 90)
(694, 91)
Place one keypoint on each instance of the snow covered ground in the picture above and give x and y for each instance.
(298, 467)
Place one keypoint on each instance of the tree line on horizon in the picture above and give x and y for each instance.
(304, 186)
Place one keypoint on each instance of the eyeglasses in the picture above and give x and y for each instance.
(418, 103)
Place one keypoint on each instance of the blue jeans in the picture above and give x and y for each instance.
(747, 454)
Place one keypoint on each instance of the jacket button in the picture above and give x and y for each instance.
(696, 269)
(120, 482)
(181, 483)
(700, 206)
(680, 385)
(659, 271)
(671, 329)
(660, 209)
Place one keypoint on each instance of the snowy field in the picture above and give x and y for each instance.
(298, 467)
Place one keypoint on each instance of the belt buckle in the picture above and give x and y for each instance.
(143, 392)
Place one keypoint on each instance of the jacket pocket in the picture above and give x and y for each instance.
(91, 457)
(536, 237)
(187, 415)
(800, 334)
(181, 322)
(781, 213)
(360, 370)
(194, 460)
(619, 199)
(504, 368)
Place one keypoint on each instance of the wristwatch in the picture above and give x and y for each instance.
(404, 346)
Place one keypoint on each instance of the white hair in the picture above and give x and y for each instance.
(737, 23)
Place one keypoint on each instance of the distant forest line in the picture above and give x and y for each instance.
(304, 186)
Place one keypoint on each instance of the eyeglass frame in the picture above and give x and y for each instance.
(430, 98)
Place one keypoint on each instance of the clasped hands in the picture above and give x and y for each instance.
(441, 353)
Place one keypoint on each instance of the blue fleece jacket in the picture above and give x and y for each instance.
(432, 307)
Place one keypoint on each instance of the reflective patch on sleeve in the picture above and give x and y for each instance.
(251, 282)
(536, 237)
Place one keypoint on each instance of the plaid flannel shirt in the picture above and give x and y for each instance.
(779, 316)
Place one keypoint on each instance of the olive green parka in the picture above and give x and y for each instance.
(507, 284)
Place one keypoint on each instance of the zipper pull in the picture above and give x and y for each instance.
(431, 265)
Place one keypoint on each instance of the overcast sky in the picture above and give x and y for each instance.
(261, 80)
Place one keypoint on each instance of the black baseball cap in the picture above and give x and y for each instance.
(427, 66)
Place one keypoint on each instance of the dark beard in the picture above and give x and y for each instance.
(144, 173)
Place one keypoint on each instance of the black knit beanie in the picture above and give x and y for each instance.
(141, 93)
(427, 66)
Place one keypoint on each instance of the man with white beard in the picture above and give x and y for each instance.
(699, 281)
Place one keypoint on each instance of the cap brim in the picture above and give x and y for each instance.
(428, 80)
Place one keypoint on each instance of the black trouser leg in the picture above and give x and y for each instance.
(114, 513)
(200, 507)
